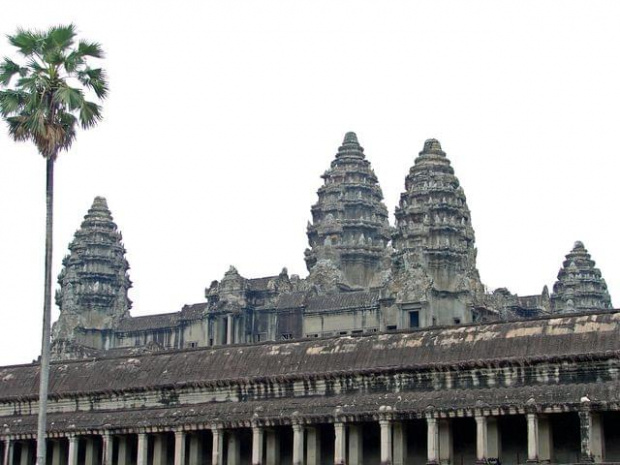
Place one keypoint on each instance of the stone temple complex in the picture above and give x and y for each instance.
(390, 351)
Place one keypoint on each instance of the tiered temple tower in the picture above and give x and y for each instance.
(350, 232)
(94, 280)
(435, 258)
(580, 285)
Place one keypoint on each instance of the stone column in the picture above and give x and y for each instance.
(234, 449)
(179, 448)
(340, 444)
(273, 448)
(143, 448)
(91, 452)
(532, 438)
(399, 438)
(298, 444)
(7, 459)
(217, 455)
(386, 442)
(591, 428)
(446, 450)
(432, 441)
(545, 439)
(481, 439)
(73, 450)
(108, 447)
(124, 451)
(258, 434)
(230, 329)
(313, 446)
(160, 450)
(356, 445)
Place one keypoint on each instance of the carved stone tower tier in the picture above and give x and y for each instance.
(580, 285)
(435, 257)
(94, 280)
(350, 232)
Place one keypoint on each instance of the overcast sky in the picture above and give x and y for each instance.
(222, 115)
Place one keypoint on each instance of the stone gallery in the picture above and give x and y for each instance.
(390, 351)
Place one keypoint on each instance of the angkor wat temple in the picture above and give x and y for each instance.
(390, 351)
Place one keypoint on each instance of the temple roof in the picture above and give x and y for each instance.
(563, 337)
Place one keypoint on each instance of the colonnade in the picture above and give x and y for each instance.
(262, 445)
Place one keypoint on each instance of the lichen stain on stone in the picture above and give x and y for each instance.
(593, 326)
(524, 332)
(317, 350)
(412, 343)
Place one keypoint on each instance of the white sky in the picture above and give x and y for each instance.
(222, 116)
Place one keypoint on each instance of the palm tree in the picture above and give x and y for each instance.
(44, 99)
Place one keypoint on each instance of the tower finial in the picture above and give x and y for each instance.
(432, 146)
(350, 138)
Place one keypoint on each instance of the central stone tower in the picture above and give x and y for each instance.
(435, 256)
(349, 233)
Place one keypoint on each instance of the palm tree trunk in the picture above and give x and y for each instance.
(47, 313)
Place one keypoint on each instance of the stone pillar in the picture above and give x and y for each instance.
(298, 444)
(7, 459)
(179, 448)
(234, 449)
(399, 438)
(481, 439)
(386, 442)
(356, 445)
(230, 329)
(91, 452)
(273, 448)
(258, 435)
(545, 439)
(340, 444)
(217, 455)
(432, 441)
(592, 445)
(108, 447)
(446, 449)
(124, 451)
(160, 450)
(313, 446)
(143, 448)
(73, 450)
(532, 437)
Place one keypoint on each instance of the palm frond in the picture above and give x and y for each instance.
(90, 49)
(59, 38)
(11, 102)
(17, 128)
(90, 114)
(8, 69)
(27, 42)
(94, 79)
(73, 61)
(70, 97)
